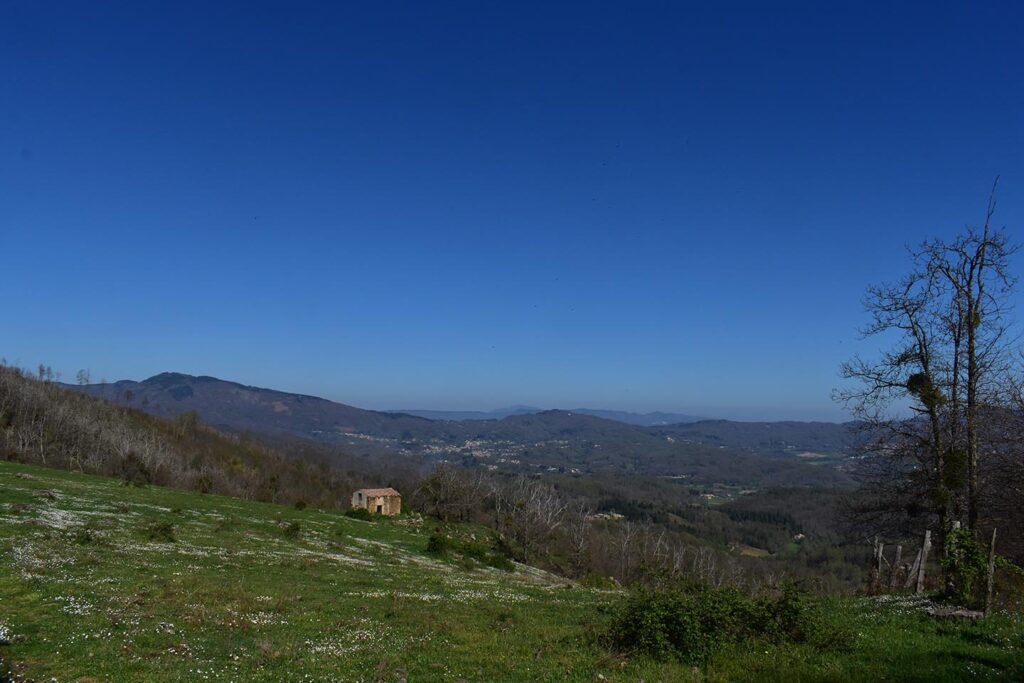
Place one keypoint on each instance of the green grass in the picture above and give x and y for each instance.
(105, 582)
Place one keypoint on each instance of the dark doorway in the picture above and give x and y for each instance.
(380, 509)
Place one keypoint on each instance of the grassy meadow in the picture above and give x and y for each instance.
(100, 581)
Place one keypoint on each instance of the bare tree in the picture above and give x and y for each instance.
(450, 494)
(578, 531)
(976, 269)
(949, 366)
(529, 512)
(909, 468)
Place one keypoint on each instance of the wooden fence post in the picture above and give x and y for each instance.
(912, 574)
(876, 568)
(895, 568)
(991, 573)
(925, 549)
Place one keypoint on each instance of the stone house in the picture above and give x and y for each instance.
(380, 501)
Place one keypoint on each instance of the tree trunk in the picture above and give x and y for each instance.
(972, 419)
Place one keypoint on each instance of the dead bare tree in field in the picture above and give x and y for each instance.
(578, 531)
(529, 512)
(450, 493)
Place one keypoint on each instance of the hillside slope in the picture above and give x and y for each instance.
(105, 582)
(43, 423)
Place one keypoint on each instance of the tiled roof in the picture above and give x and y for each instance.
(379, 492)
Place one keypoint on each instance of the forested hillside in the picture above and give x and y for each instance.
(42, 422)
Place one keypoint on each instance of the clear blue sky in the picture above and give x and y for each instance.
(628, 205)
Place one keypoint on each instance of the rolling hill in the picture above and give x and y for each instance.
(715, 451)
(777, 438)
(238, 407)
(639, 419)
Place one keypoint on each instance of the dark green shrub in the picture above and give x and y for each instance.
(691, 622)
(359, 513)
(84, 536)
(475, 550)
(439, 544)
(595, 580)
(159, 532)
(473, 553)
(966, 566)
(291, 529)
(502, 547)
(300, 505)
(500, 562)
(133, 470)
(785, 617)
(1009, 586)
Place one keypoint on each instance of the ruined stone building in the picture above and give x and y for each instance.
(380, 501)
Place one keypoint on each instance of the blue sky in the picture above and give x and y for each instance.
(465, 205)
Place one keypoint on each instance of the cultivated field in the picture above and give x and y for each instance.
(100, 581)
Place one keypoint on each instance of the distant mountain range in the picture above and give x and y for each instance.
(239, 407)
(586, 439)
(640, 419)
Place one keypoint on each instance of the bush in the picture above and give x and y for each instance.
(966, 566)
(1009, 586)
(359, 513)
(439, 544)
(600, 581)
(477, 551)
(132, 470)
(787, 616)
(291, 529)
(159, 532)
(500, 562)
(84, 536)
(472, 552)
(691, 622)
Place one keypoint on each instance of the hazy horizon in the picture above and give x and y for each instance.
(741, 413)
